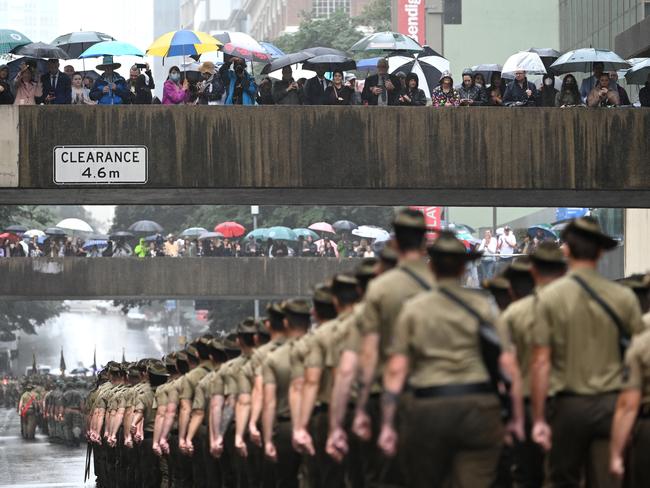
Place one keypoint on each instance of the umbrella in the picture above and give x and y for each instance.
(274, 51)
(300, 232)
(638, 74)
(546, 54)
(487, 70)
(529, 62)
(211, 235)
(323, 51)
(193, 232)
(11, 39)
(549, 233)
(76, 43)
(121, 234)
(41, 50)
(91, 73)
(152, 238)
(330, 62)
(75, 225)
(8, 236)
(370, 232)
(55, 231)
(183, 43)
(98, 237)
(14, 66)
(298, 73)
(95, 243)
(368, 64)
(287, 60)
(111, 48)
(387, 41)
(322, 227)
(344, 225)
(258, 234)
(16, 228)
(34, 233)
(145, 226)
(230, 229)
(428, 68)
(242, 46)
(582, 60)
(280, 233)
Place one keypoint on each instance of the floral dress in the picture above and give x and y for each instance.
(441, 99)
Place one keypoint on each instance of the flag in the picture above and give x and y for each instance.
(62, 364)
(94, 366)
(123, 357)
(33, 363)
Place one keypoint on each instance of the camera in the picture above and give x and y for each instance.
(140, 65)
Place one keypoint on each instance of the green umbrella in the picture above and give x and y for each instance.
(282, 234)
(306, 232)
(10, 39)
(258, 234)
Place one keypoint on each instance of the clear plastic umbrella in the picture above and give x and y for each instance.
(582, 60)
(529, 62)
(638, 74)
(77, 225)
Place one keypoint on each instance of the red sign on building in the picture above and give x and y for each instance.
(411, 19)
(432, 219)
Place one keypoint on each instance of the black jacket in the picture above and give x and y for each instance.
(62, 91)
(140, 92)
(644, 95)
(314, 91)
(393, 96)
(283, 97)
(515, 93)
(344, 94)
(213, 90)
(6, 97)
(417, 96)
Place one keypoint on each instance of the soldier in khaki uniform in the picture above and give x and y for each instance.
(631, 425)
(577, 358)
(547, 265)
(452, 428)
(276, 416)
(383, 301)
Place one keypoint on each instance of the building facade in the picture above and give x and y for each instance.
(213, 15)
(36, 19)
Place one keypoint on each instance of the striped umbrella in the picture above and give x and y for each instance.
(183, 43)
(428, 68)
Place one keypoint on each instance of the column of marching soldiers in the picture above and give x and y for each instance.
(407, 379)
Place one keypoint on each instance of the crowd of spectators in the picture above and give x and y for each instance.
(232, 84)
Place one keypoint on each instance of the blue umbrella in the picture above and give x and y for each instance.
(274, 51)
(368, 64)
(111, 48)
(549, 233)
(94, 242)
(193, 232)
(280, 233)
(258, 234)
(306, 232)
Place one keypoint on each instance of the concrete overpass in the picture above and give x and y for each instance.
(338, 155)
(160, 278)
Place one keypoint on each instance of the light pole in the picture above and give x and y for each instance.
(255, 210)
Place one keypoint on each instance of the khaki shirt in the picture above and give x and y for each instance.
(637, 366)
(646, 320)
(231, 376)
(144, 402)
(384, 299)
(350, 332)
(160, 397)
(191, 379)
(276, 370)
(441, 339)
(246, 376)
(202, 394)
(584, 342)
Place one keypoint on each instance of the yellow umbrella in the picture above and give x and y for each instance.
(183, 43)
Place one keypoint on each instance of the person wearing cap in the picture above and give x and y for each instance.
(240, 85)
(56, 85)
(351, 83)
(520, 92)
(92, 433)
(210, 88)
(452, 426)
(582, 325)
(110, 88)
(381, 88)
(383, 301)
(471, 95)
(445, 95)
(412, 96)
(73, 399)
(139, 85)
(547, 264)
(276, 414)
(6, 96)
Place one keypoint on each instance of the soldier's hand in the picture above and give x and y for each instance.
(270, 452)
(542, 435)
(138, 438)
(361, 426)
(617, 466)
(240, 445)
(128, 443)
(164, 446)
(156, 449)
(337, 444)
(182, 445)
(302, 442)
(132, 430)
(216, 449)
(189, 448)
(514, 432)
(388, 441)
(255, 435)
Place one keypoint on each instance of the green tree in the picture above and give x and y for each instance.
(376, 15)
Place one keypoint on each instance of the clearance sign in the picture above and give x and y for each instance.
(411, 19)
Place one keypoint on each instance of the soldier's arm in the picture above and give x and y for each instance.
(117, 420)
(214, 424)
(268, 418)
(368, 363)
(509, 365)
(345, 374)
(242, 414)
(625, 415)
(196, 418)
(184, 420)
(539, 384)
(126, 424)
(394, 378)
(170, 415)
(137, 417)
(257, 398)
(158, 426)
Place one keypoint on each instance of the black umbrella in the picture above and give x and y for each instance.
(145, 226)
(76, 43)
(548, 55)
(330, 62)
(287, 60)
(97, 237)
(16, 229)
(55, 231)
(344, 225)
(41, 50)
(121, 234)
(40, 65)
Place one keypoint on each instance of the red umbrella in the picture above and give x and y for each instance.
(9, 236)
(230, 229)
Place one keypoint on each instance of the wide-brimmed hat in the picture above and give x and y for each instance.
(297, 306)
(496, 283)
(323, 293)
(410, 218)
(208, 67)
(448, 245)
(590, 228)
(107, 62)
(548, 252)
(247, 326)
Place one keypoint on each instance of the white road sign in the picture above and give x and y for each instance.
(100, 165)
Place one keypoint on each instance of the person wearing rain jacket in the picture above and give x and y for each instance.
(141, 249)
(413, 96)
(445, 95)
(110, 88)
(241, 85)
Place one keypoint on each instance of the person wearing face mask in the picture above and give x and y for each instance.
(175, 92)
(569, 95)
(80, 94)
(210, 88)
(140, 84)
(338, 93)
(548, 93)
(240, 84)
(479, 80)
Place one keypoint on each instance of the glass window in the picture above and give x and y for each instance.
(646, 11)
(453, 11)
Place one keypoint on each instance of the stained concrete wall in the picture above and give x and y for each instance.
(191, 278)
(8, 146)
(637, 231)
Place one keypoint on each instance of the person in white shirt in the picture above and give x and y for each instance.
(489, 249)
(507, 242)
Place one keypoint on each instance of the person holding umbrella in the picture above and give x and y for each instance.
(381, 88)
(6, 97)
(588, 84)
(568, 96)
(240, 84)
(210, 88)
(175, 92)
(520, 92)
(27, 89)
(338, 93)
(316, 88)
(110, 88)
(286, 91)
(603, 95)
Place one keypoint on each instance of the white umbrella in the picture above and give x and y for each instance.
(638, 73)
(34, 233)
(371, 232)
(531, 63)
(75, 225)
(583, 60)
